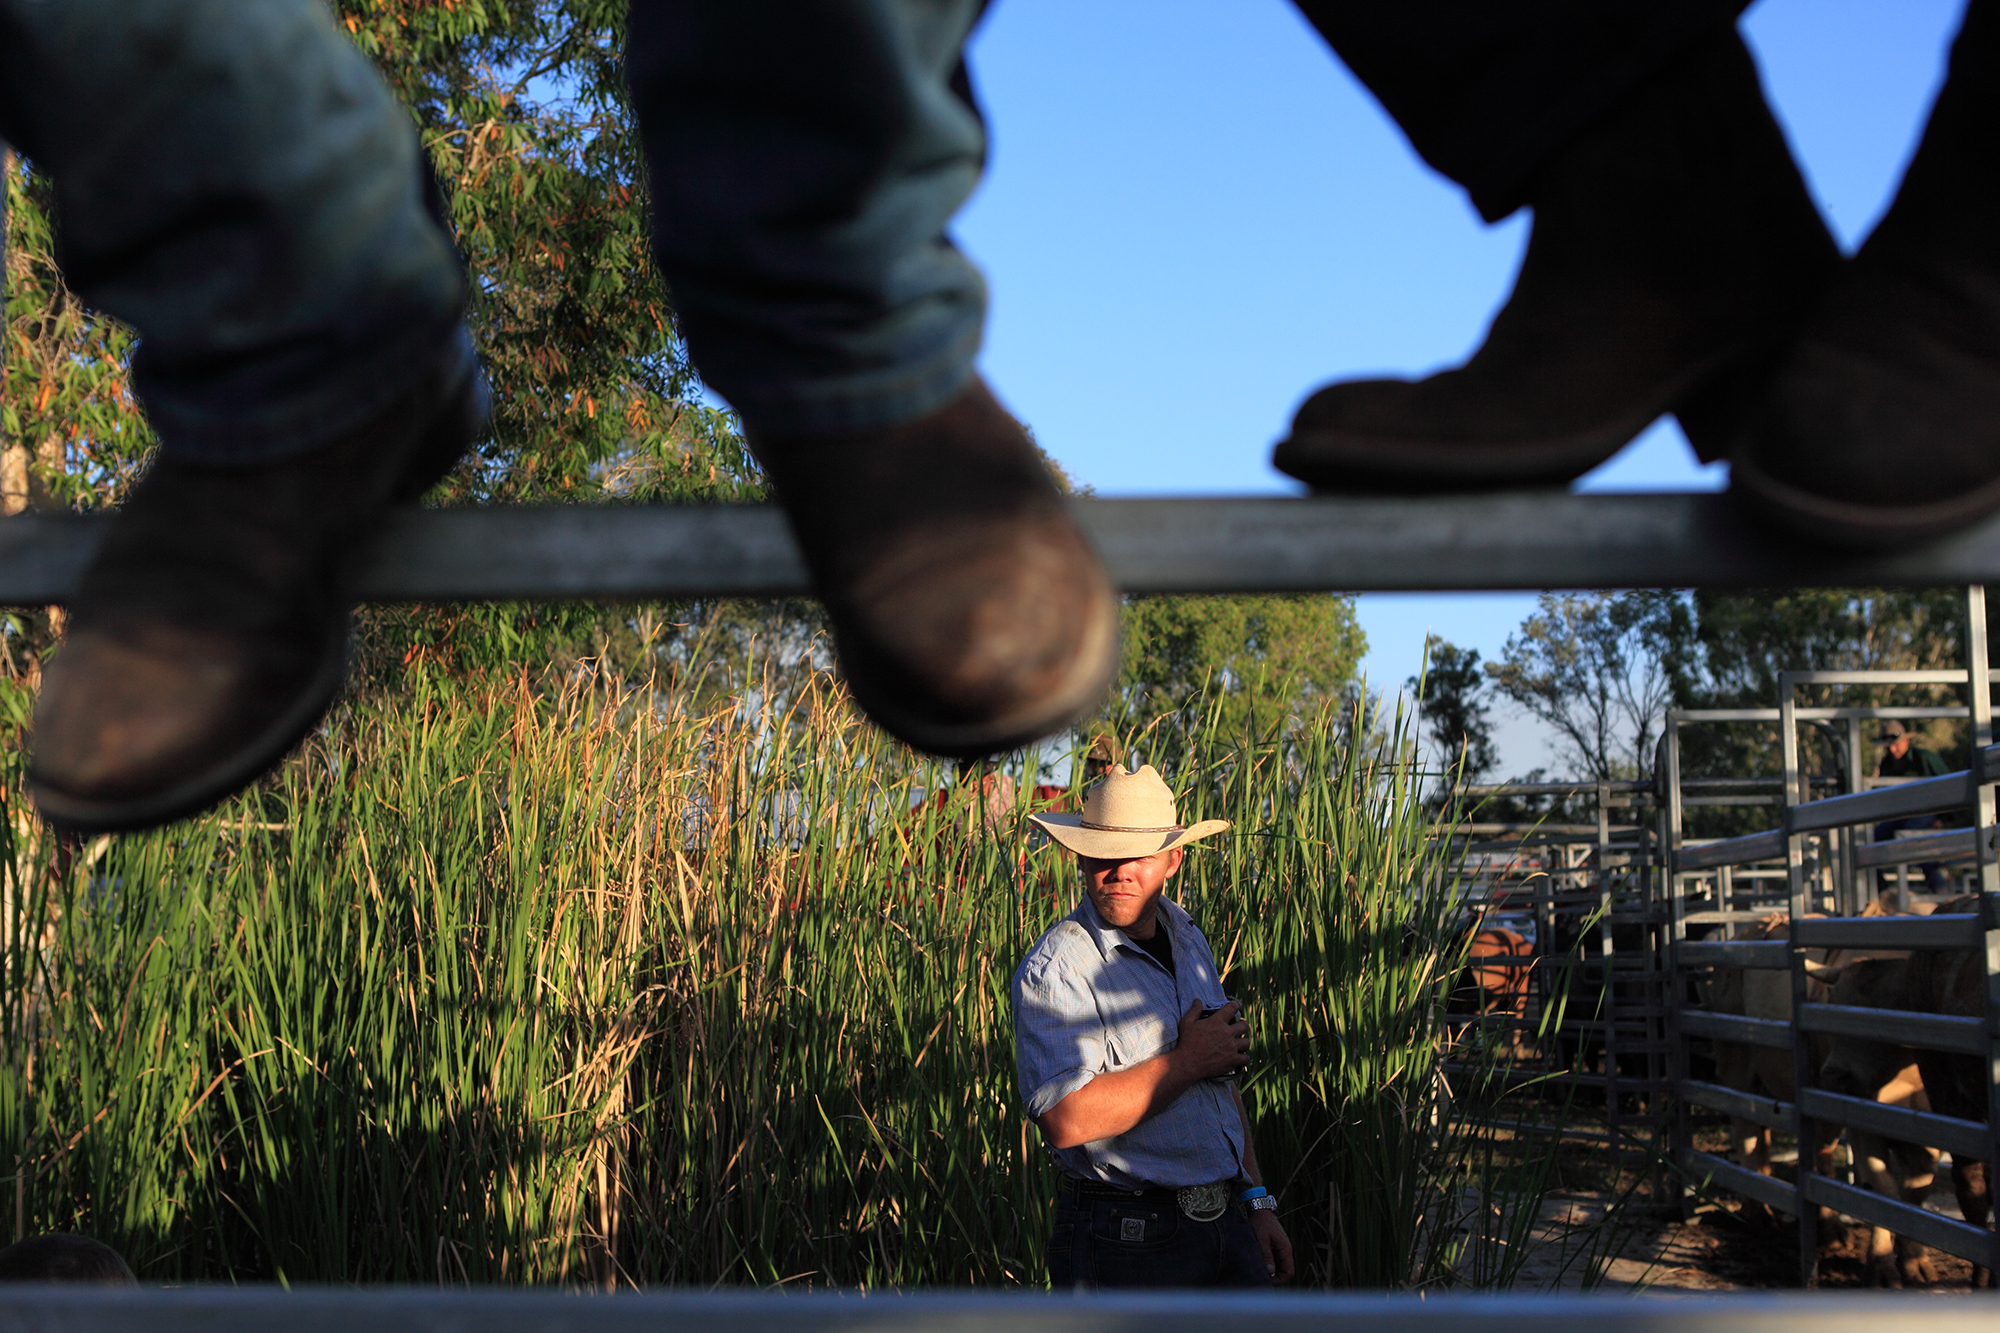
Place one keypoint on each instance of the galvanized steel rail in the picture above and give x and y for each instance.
(1979, 932)
(1521, 540)
(223, 1310)
(1513, 541)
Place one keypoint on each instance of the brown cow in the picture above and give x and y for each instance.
(1883, 1072)
(1861, 1069)
(1495, 977)
(1761, 1071)
(1951, 981)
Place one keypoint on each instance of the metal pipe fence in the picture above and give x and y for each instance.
(1519, 540)
(1586, 896)
(1824, 865)
(221, 1310)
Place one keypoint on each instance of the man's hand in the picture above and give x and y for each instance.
(1117, 1101)
(1277, 1246)
(1213, 1046)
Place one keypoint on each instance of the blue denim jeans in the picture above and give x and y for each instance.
(1934, 880)
(806, 159)
(1147, 1241)
(237, 183)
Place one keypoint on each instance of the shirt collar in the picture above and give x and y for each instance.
(1107, 938)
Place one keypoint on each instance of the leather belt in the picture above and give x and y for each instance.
(1198, 1203)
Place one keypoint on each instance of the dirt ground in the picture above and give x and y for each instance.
(1724, 1247)
(1727, 1245)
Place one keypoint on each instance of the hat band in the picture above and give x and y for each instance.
(1121, 828)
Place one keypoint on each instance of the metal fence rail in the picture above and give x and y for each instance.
(1828, 820)
(1518, 541)
(1521, 540)
(217, 1310)
(1591, 891)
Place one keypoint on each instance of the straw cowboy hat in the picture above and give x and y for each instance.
(1126, 815)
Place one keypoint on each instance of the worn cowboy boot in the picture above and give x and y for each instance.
(1882, 426)
(209, 632)
(970, 613)
(1674, 251)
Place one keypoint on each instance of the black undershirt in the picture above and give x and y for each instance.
(1158, 945)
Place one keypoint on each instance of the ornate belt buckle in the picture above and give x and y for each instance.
(1203, 1203)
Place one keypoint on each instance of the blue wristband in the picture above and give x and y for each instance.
(1254, 1192)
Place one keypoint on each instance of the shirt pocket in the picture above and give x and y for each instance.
(1137, 1040)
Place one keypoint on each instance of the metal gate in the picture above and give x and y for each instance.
(1823, 865)
(1590, 893)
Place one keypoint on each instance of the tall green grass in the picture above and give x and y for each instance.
(486, 986)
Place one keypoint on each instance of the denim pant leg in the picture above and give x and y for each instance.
(1486, 90)
(1933, 873)
(805, 157)
(237, 183)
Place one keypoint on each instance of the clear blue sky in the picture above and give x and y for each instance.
(1194, 215)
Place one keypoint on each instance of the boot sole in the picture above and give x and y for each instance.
(1090, 678)
(80, 815)
(1707, 398)
(1856, 526)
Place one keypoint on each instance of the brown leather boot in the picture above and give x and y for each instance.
(970, 613)
(1674, 251)
(1882, 426)
(209, 631)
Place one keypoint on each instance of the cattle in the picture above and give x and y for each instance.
(1761, 1071)
(1952, 981)
(1883, 1072)
(1858, 1068)
(1495, 978)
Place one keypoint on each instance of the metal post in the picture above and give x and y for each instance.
(1649, 877)
(1676, 890)
(1860, 882)
(1808, 1214)
(1979, 683)
(1549, 1038)
(1978, 674)
(1672, 768)
(1607, 952)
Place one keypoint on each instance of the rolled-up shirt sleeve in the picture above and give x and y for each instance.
(1058, 1035)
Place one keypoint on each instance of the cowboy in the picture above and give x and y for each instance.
(1902, 757)
(1126, 1048)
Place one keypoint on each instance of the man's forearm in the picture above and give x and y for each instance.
(1111, 1104)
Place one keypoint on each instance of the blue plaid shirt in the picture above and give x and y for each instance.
(1087, 1000)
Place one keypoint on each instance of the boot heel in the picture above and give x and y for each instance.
(1713, 413)
(461, 418)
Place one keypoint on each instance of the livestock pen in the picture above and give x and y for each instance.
(1620, 937)
(1495, 542)
(1824, 866)
(1566, 969)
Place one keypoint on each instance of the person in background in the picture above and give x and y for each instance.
(1902, 757)
(65, 1258)
(1127, 1049)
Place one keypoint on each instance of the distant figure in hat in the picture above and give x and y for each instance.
(65, 1258)
(1127, 1047)
(1100, 758)
(1902, 757)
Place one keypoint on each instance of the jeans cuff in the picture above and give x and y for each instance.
(850, 404)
